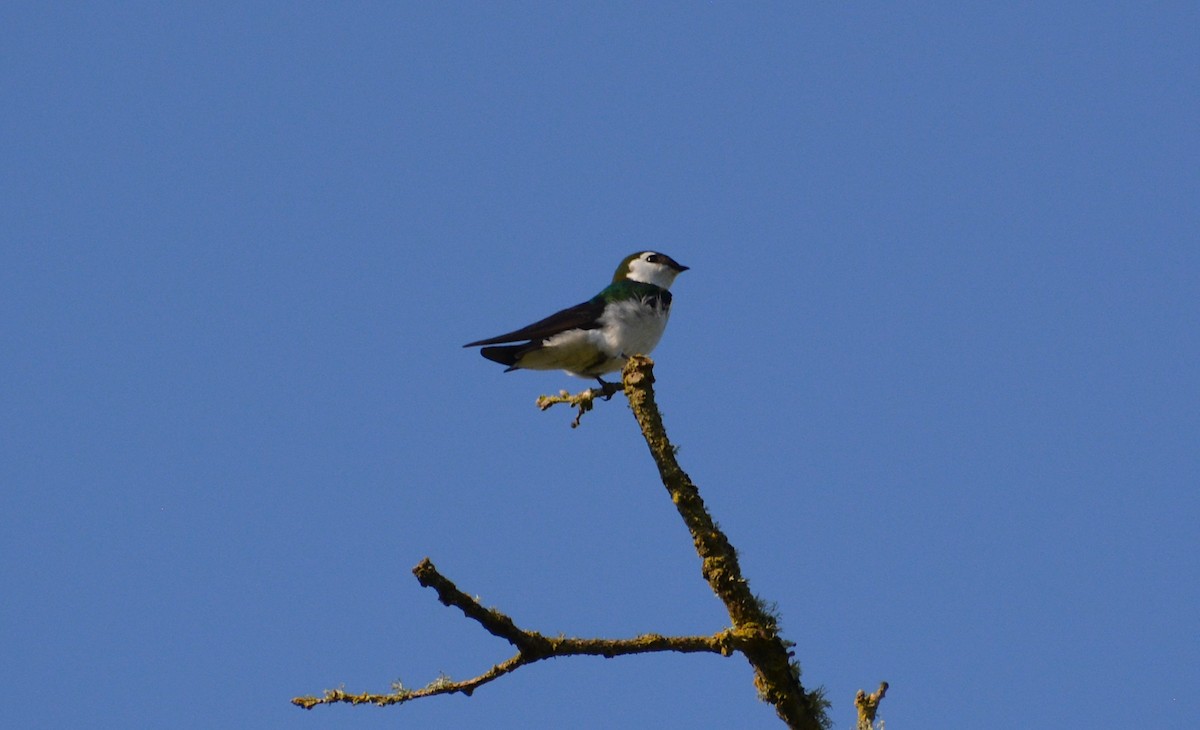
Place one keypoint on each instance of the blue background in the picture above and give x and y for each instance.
(934, 367)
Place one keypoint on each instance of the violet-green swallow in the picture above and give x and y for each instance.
(596, 337)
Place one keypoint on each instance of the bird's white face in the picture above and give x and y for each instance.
(654, 268)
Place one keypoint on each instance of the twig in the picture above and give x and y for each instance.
(583, 400)
(531, 647)
(777, 677)
(868, 705)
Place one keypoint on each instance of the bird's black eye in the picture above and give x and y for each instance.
(654, 258)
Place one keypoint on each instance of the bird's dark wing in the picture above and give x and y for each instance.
(583, 316)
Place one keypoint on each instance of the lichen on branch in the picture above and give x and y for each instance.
(776, 674)
(868, 705)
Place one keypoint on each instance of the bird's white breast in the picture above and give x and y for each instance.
(632, 327)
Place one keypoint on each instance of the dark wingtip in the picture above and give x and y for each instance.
(505, 354)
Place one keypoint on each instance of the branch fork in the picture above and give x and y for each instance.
(531, 647)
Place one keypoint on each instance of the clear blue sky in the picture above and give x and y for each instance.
(934, 367)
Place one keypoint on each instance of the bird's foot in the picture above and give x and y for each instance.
(607, 389)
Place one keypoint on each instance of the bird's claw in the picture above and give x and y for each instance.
(607, 389)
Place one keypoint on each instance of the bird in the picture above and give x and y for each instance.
(596, 337)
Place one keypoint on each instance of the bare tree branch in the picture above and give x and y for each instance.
(531, 647)
(776, 676)
(755, 630)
